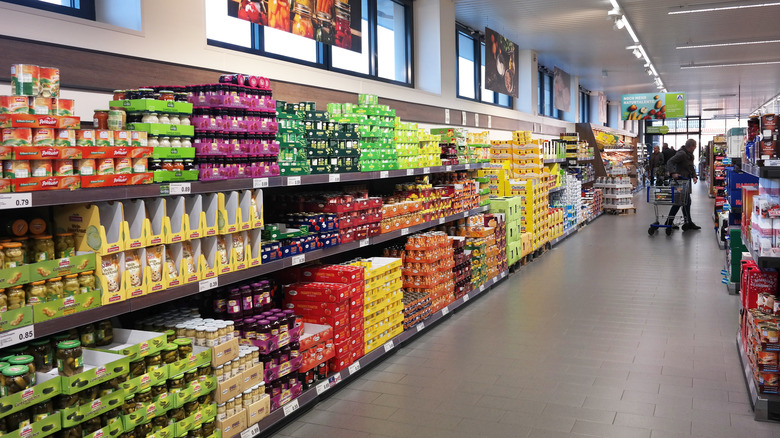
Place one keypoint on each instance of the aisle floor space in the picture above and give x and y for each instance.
(611, 334)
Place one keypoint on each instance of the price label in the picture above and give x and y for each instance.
(503, 274)
(465, 214)
(404, 231)
(291, 407)
(420, 327)
(466, 298)
(365, 242)
(426, 170)
(180, 188)
(293, 180)
(448, 168)
(445, 310)
(259, 183)
(251, 432)
(15, 200)
(17, 336)
(298, 259)
(482, 288)
(495, 279)
(355, 367)
(334, 177)
(208, 284)
(468, 166)
(322, 387)
(389, 346)
(441, 220)
(409, 172)
(384, 174)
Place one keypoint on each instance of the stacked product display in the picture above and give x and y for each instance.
(479, 145)
(616, 192)
(292, 158)
(376, 130)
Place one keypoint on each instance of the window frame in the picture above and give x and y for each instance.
(80, 8)
(585, 113)
(555, 113)
(325, 54)
(478, 40)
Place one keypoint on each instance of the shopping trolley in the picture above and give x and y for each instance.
(673, 192)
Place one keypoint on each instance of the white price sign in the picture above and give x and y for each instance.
(293, 180)
(420, 327)
(15, 200)
(208, 284)
(503, 274)
(445, 310)
(291, 407)
(355, 367)
(322, 387)
(495, 279)
(251, 432)
(180, 188)
(465, 214)
(426, 170)
(404, 231)
(389, 346)
(334, 177)
(448, 168)
(441, 220)
(365, 242)
(409, 172)
(384, 174)
(482, 288)
(259, 183)
(466, 298)
(17, 336)
(298, 259)
(468, 166)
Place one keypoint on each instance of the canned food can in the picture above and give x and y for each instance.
(123, 166)
(87, 166)
(17, 137)
(116, 119)
(104, 138)
(105, 166)
(63, 167)
(64, 107)
(25, 79)
(121, 139)
(43, 137)
(13, 169)
(14, 105)
(139, 138)
(41, 168)
(41, 106)
(65, 137)
(85, 137)
(50, 82)
(140, 165)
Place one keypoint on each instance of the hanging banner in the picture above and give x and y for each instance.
(602, 107)
(562, 87)
(333, 22)
(501, 58)
(652, 106)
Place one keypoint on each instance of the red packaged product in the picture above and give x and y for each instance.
(333, 273)
(318, 308)
(342, 347)
(342, 333)
(356, 327)
(336, 322)
(355, 314)
(755, 282)
(338, 363)
(333, 292)
(357, 300)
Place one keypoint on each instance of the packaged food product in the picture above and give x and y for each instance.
(133, 268)
(238, 247)
(64, 107)
(25, 360)
(55, 289)
(188, 259)
(170, 266)
(13, 254)
(85, 137)
(16, 297)
(43, 137)
(140, 165)
(86, 166)
(3, 301)
(25, 79)
(86, 282)
(64, 245)
(139, 138)
(37, 226)
(222, 251)
(49, 81)
(13, 169)
(87, 336)
(184, 346)
(36, 292)
(154, 259)
(105, 166)
(14, 105)
(63, 168)
(69, 360)
(41, 168)
(43, 248)
(123, 166)
(104, 138)
(17, 137)
(71, 287)
(111, 272)
(104, 333)
(40, 411)
(41, 106)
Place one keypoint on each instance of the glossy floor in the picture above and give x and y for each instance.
(613, 333)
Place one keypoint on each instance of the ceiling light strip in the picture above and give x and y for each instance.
(721, 7)
(725, 44)
(735, 64)
(637, 44)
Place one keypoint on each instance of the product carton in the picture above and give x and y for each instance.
(16, 318)
(99, 367)
(200, 356)
(79, 413)
(248, 215)
(154, 280)
(194, 390)
(281, 370)
(145, 381)
(208, 261)
(194, 217)
(109, 274)
(258, 410)
(229, 212)
(10, 277)
(224, 352)
(48, 386)
(114, 429)
(135, 226)
(38, 429)
(146, 412)
(209, 215)
(256, 209)
(96, 227)
(286, 396)
(133, 283)
(66, 306)
(229, 389)
(194, 421)
(253, 249)
(174, 224)
(60, 267)
(232, 427)
(155, 214)
(239, 243)
(252, 376)
(135, 344)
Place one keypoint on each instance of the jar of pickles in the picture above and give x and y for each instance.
(190, 376)
(41, 410)
(177, 414)
(129, 406)
(160, 422)
(64, 245)
(43, 248)
(191, 407)
(69, 358)
(184, 347)
(87, 336)
(170, 353)
(142, 430)
(36, 292)
(176, 383)
(13, 254)
(159, 391)
(144, 397)
(17, 379)
(204, 371)
(86, 282)
(104, 333)
(137, 367)
(44, 355)
(55, 289)
(71, 285)
(153, 362)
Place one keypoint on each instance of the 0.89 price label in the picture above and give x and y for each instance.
(17, 336)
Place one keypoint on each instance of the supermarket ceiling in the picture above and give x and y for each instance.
(576, 36)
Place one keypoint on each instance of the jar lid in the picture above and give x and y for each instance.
(72, 276)
(40, 342)
(182, 341)
(12, 245)
(192, 371)
(23, 359)
(211, 330)
(16, 370)
(38, 283)
(170, 346)
(3, 365)
(200, 328)
(69, 344)
(144, 391)
(178, 377)
(38, 226)
(205, 365)
(42, 237)
(129, 397)
(170, 332)
(55, 279)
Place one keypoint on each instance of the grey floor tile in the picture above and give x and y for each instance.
(609, 430)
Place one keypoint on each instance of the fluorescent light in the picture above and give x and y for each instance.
(637, 53)
(649, 72)
(735, 64)
(719, 7)
(726, 44)
(620, 23)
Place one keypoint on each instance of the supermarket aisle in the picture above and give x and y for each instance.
(613, 333)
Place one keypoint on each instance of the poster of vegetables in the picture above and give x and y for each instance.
(334, 22)
(653, 106)
(501, 58)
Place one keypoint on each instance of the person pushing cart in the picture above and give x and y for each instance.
(681, 165)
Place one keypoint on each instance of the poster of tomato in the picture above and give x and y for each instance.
(334, 22)
(501, 57)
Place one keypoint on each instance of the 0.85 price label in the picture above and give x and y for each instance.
(17, 336)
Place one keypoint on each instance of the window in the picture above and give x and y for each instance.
(609, 115)
(585, 115)
(76, 8)
(471, 81)
(386, 52)
(546, 96)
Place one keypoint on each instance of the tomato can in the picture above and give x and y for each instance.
(121, 139)
(123, 166)
(49, 81)
(41, 168)
(25, 79)
(104, 138)
(41, 106)
(65, 137)
(85, 137)
(64, 107)
(63, 168)
(86, 166)
(105, 166)
(14, 105)
(17, 137)
(43, 137)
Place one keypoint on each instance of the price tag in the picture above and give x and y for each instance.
(465, 214)
(384, 174)
(445, 310)
(180, 188)
(468, 166)
(251, 432)
(322, 387)
(448, 168)
(208, 284)
(291, 407)
(355, 367)
(17, 336)
(293, 180)
(15, 200)
(446, 116)
(409, 172)
(334, 177)
(420, 327)
(426, 170)
(495, 279)
(365, 242)
(466, 298)
(404, 231)
(259, 183)
(482, 288)
(503, 274)
(298, 259)
(441, 220)
(389, 346)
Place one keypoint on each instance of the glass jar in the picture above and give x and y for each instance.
(228, 369)
(137, 368)
(13, 254)
(86, 282)
(204, 371)
(153, 362)
(279, 14)
(164, 119)
(71, 432)
(100, 119)
(21, 418)
(206, 399)
(177, 414)
(145, 93)
(200, 335)
(153, 141)
(64, 245)
(55, 289)
(160, 422)
(104, 334)
(159, 391)
(107, 388)
(186, 143)
(112, 416)
(69, 358)
(170, 335)
(43, 248)
(324, 27)
(144, 397)
(191, 407)
(185, 120)
(170, 353)
(175, 142)
(230, 407)
(190, 376)
(44, 355)
(174, 119)
(71, 286)
(41, 410)
(212, 337)
(36, 292)
(129, 406)
(167, 95)
(343, 32)
(17, 379)
(184, 346)
(176, 384)
(87, 336)
(150, 118)
(219, 372)
(208, 428)
(222, 411)
(142, 430)
(165, 142)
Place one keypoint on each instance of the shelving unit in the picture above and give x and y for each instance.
(766, 407)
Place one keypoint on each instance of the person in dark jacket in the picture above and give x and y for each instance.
(656, 168)
(681, 166)
(668, 152)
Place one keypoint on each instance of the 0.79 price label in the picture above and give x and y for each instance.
(15, 200)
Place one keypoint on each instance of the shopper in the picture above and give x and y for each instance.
(681, 166)
(656, 168)
(668, 152)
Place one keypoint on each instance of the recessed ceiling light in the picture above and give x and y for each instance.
(725, 44)
(712, 7)
(735, 64)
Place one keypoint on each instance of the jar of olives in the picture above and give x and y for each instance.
(87, 336)
(13, 254)
(170, 353)
(44, 355)
(55, 289)
(36, 292)
(28, 361)
(71, 285)
(129, 406)
(104, 333)
(64, 245)
(43, 248)
(69, 360)
(86, 282)
(184, 346)
(153, 362)
(16, 379)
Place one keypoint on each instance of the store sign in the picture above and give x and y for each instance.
(501, 58)
(333, 22)
(653, 106)
(663, 130)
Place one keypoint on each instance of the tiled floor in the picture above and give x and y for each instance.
(611, 334)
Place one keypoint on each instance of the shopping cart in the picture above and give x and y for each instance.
(673, 192)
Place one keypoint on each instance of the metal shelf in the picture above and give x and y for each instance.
(554, 160)
(134, 304)
(761, 171)
(763, 261)
(557, 189)
(760, 402)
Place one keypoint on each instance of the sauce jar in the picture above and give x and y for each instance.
(71, 285)
(69, 358)
(100, 119)
(167, 95)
